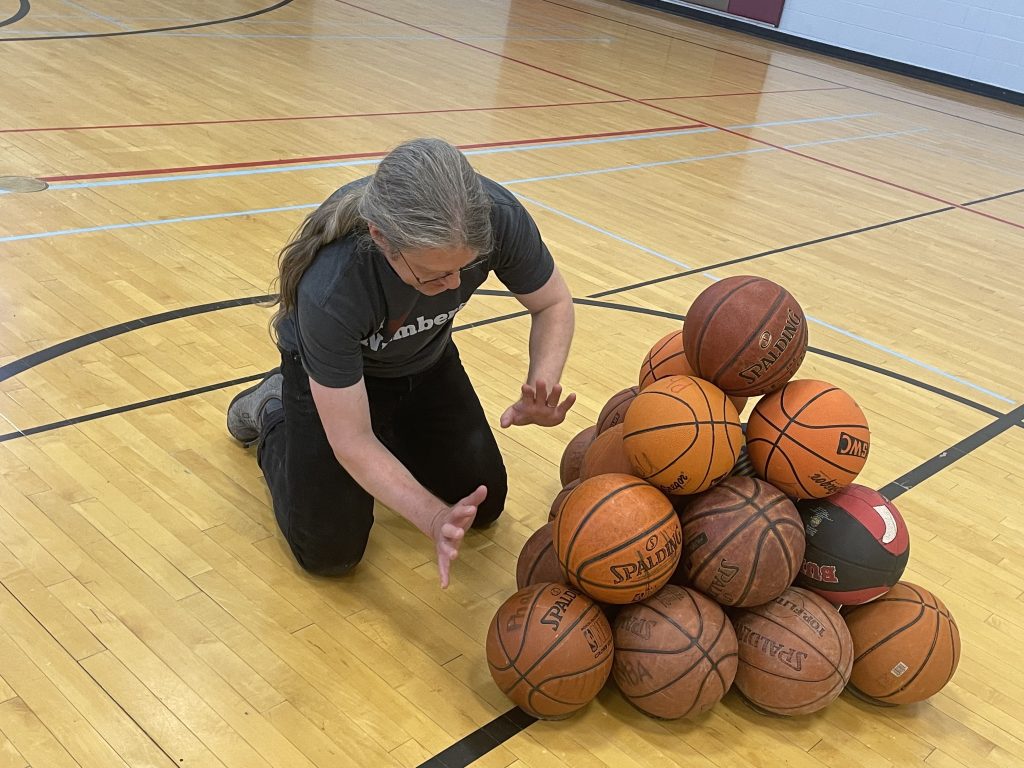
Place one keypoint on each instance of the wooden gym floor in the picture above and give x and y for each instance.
(149, 612)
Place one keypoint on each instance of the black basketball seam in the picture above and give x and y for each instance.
(540, 557)
(712, 311)
(779, 300)
(646, 533)
(736, 531)
(882, 641)
(523, 675)
(666, 341)
(783, 627)
(659, 427)
(580, 524)
(931, 650)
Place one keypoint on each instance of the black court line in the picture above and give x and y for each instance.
(23, 10)
(122, 33)
(953, 454)
(45, 355)
(777, 66)
(805, 244)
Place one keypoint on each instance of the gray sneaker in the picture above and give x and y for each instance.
(246, 410)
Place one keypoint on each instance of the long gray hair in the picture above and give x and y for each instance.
(424, 194)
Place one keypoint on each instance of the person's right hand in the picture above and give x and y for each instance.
(449, 526)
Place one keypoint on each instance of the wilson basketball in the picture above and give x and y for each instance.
(857, 545)
(809, 439)
(606, 454)
(743, 542)
(795, 653)
(675, 653)
(667, 358)
(617, 538)
(682, 434)
(549, 649)
(614, 410)
(906, 646)
(572, 456)
(537, 560)
(556, 505)
(748, 335)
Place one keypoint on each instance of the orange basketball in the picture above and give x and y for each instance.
(675, 653)
(795, 653)
(906, 646)
(556, 505)
(614, 410)
(572, 456)
(746, 334)
(549, 649)
(537, 560)
(606, 454)
(667, 358)
(682, 434)
(617, 538)
(743, 542)
(809, 439)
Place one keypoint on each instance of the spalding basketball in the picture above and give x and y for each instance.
(549, 649)
(682, 434)
(748, 335)
(795, 653)
(617, 538)
(810, 439)
(743, 542)
(906, 646)
(675, 653)
(857, 545)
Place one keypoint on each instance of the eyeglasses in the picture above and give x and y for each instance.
(462, 270)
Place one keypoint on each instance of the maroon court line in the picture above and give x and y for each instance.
(354, 155)
(704, 123)
(294, 118)
(778, 66)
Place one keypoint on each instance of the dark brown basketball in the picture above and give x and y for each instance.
(563, 494)
(743, 542)
(795, 653)
(549, 649)
(809, 439)
(617, 538)
(675, 653)
(746, 334)
(906, 646)
(667, 358)
(606, 454)
(572, 456)
(537, 561)
(682, 434)
(614, 410)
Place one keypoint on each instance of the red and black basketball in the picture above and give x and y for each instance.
(857, 545)
(746, 334)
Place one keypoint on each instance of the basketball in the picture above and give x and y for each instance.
(743, 542)
(748, 335)
(675, 654)
(667, 358)
(682, 434)
(572, 456)
(559, 500)
(537, 560)
(617, 538)
(857, 545)
(795, 653)
(615, 409)
(549, 649)
(809, 439)
(906, 646)
(606, 454)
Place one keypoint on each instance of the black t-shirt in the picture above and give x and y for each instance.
(355, 316)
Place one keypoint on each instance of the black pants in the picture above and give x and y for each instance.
(432, 422)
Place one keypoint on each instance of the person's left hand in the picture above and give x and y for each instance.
(538, 406)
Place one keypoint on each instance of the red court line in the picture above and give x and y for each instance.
(704, 123)
(353, 155)
(293, 118)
